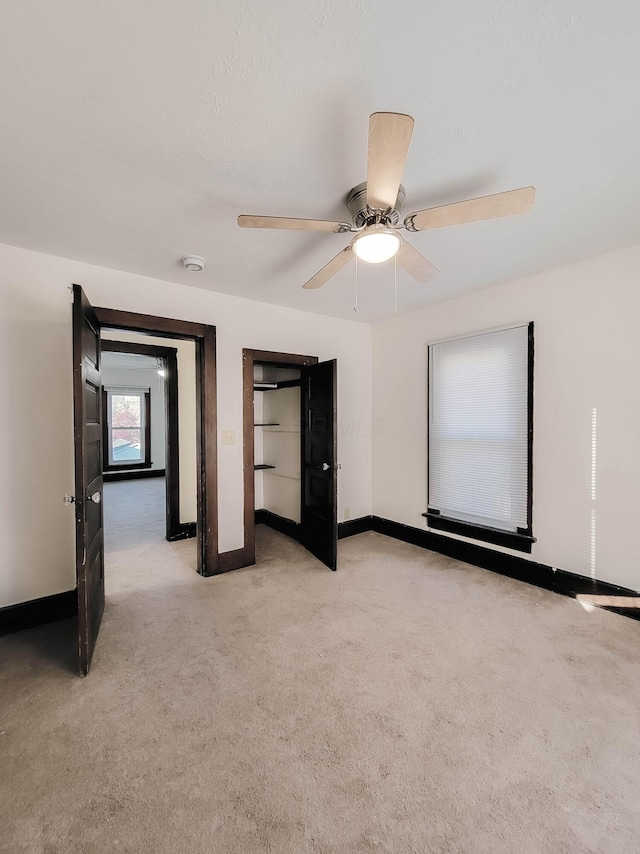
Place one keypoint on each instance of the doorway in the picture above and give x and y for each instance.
(164, 427)
(88, 324)
(289, 437)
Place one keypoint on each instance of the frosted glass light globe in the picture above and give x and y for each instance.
(376, 245)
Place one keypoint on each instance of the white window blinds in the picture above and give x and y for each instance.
(478, 428)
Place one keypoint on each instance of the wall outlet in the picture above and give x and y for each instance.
(347, 513)
(228, 437)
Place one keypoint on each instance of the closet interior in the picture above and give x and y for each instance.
(277, 444)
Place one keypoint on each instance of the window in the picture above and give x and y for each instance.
(480, 436)
(127, 422)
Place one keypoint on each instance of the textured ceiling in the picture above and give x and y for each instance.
(132, 133)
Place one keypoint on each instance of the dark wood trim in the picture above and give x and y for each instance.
(279, 523)
(204, 337)
(140, 474)
(235, 559)
(519, 541)
(172, 444)
(127, 467)
(183, 531)
(530, 371)
(37, 612)
(110, 345)
(538, 574)
(207, 452)
(282, 360)
(147, 429)
(249, 359)
(149, 324)
(354, 526)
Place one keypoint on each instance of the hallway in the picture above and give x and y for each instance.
(137, 555)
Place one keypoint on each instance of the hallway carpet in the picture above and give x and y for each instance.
(406, 703)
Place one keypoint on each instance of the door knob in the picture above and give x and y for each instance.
(325, 466)
(96, 498)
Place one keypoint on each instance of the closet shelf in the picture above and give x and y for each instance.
(267, 386)
(262, 467)
(268, 424)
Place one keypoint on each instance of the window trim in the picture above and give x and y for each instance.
(107, 465)
(522, 539)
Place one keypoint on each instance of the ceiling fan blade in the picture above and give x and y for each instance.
(415, 264)
(389, 138)
(473, 210)
(245, 221)
(334, 266)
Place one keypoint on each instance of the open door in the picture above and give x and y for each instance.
(319, 471)
(87, 433)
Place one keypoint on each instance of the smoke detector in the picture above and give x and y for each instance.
(194, 263)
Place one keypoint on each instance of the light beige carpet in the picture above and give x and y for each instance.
(406, 703)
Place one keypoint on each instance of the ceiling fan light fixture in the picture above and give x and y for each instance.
(376, 244)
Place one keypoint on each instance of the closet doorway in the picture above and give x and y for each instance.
(289, 437)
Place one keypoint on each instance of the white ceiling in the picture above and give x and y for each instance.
(133, 132)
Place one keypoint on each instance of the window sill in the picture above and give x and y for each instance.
(127, 466)
(508, 539)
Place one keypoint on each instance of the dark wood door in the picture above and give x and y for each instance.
(319, 472)
(87, 427)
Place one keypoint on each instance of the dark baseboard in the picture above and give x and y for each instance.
(278, 523)
(539, 574)
(138, 474)
(354, 526)
(183, 531)
(37, 612)
(235, 559)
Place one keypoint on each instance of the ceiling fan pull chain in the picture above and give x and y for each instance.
(355, 306)
(395, 286)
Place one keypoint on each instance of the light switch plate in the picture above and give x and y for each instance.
(228, 437)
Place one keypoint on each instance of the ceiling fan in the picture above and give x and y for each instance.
(375, 207)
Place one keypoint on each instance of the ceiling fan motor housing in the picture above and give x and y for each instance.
(362, 214)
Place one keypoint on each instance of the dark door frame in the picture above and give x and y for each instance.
(175, 529)
(249, 359)
(204, 337)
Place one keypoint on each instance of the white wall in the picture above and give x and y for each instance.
(36, 439)
(187, 432)
(587, 355)
(146, 378)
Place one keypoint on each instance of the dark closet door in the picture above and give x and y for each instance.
(319, 472)
(87, 423)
